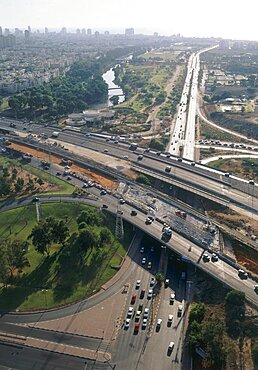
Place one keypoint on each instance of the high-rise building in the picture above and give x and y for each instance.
(89, 32)
(6, 31)
(27, 35)
(83, 31)
(46, 30)
(78, 31)
(106, 33)
(129, 31)
(155, 34)
(96, 33)
(63, 31)
(29, 29)
(9, 41)
(1, 41)
(1, 31)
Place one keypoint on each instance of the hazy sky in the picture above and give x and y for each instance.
(224, 18)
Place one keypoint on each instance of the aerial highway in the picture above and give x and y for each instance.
(220, 270)
(186, 174)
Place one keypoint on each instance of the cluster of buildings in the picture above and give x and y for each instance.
(89, 116)
(22, 68)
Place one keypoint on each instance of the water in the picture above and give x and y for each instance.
(109, 77)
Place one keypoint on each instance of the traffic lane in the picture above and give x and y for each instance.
(129, 344)
(52, 336)
(25, 358)
(156, 354)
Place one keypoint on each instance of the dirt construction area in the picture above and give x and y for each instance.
(102, 180)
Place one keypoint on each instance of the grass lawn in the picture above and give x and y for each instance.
(165, 55)
(66, 275)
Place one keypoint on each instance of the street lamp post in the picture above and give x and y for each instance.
(44, 291)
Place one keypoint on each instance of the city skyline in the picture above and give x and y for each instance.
(224, 19)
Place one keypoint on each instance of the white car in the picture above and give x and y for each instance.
(152, 281)
(171, 346)
(144, 261)
(144, 323)
(150, 293)
(172, 297)
(146, 313)
(159, 322)
(130, 312)
(214, 257)
(206, 257)
(127, 323)
(138, 283)
(170, 318)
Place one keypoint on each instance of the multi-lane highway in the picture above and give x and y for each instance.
(192, 177)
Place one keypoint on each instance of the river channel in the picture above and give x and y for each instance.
(113, 89)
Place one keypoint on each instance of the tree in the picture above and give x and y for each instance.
(4, 186)
(41, 238)
(142, 179)
(19, 184)
(1, 101)
(105, 236)
(197, 312)
(16, 255)
(60, 232)
(235, 297)
(4, 271)
(114, 99)
(88, 239)
(159, 278)
(90, 217)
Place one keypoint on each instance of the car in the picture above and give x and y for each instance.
(168, 169)
(159, 322)
(103, 192)
(170, 318)
(58, 173)
(227, 174)
(144, 323)
(171, 346)
(140, 308)
(142, 250)
(152, 249)
(116, 142)
(127, 323)
(146, 313)
(152, 281)
(133, 299)
(256, 289)
(133, 212)
(140, 157)
(192, 163)
(104, 206)
(68, 178)
(158, 153)
(179, 159)
(150, 294)
(183, 275)
(138, 283)
(138, 315)
(84, 185)
(214, 257)
(130, 312)
(142, 294)
(136, 327)
(166, 283)
(242, 274)
(105, 150)
(148, 221)
(206, 257)
(172, 297)
(251, 182)
(149, 265)
(121, 201)
(125, 157)
(179, 310)
(36, 199)
(143, 260)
